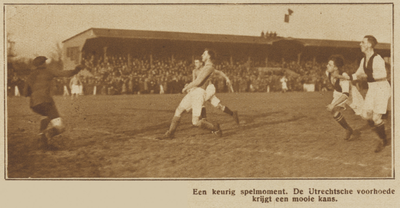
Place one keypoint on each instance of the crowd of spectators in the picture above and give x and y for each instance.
(115, 75)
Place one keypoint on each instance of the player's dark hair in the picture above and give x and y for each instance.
(338, 60)
(212, 53)
(372, 40)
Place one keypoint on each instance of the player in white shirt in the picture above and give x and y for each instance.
(372, 68)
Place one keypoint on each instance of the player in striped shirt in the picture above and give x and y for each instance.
(341, 94)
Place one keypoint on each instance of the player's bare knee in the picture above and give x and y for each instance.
(58, 124)
(220, 106)
(335, 113)
(367, 115)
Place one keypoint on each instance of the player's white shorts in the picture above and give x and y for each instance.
(210, 95)
(377, 97)
(336, 96)
(194, 101)
(75, 89)
(356, 100)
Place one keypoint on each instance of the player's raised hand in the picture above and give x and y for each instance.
(229, 84)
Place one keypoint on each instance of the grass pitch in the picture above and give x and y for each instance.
(288, 135)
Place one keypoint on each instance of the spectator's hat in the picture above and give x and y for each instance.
(39, 61)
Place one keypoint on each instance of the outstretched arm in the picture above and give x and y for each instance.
(228, 81)
(360, 74)
(338, 76)
(220, 73)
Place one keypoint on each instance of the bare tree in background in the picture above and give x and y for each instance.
(56, 57)
(10, 53)
(15, 64)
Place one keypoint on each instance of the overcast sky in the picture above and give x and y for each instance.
(37, 28)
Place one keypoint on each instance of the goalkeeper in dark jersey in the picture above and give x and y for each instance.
(38, 88)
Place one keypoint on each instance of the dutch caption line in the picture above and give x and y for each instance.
(257, 195)
(321, 195)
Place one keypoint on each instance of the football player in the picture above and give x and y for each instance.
(194, 99)
(341, 94)
(38, 88)
(210, 93)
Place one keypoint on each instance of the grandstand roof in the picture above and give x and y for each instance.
(161, 35)
(338, 43)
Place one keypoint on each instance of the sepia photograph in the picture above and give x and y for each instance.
(203, 93)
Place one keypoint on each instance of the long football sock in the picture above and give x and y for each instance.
(228, 111)
(380, 130)
(174, 125)
(340, 119)
(203, 112)
(371, 123)
(43, 124)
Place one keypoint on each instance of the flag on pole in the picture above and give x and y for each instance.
(290, 12)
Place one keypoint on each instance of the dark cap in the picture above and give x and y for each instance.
(39, 61)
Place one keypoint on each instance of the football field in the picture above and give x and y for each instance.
(281, 135)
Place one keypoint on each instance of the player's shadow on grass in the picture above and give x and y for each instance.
(368, 127)
(265, 123)
(156, 128)
(250, 122)
(252, 118)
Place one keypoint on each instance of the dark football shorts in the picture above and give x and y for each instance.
(46, 109)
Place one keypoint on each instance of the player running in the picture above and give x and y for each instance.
(195, 98)
(38, 88)
(372, 68)
(341, 94)
(210, 93)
